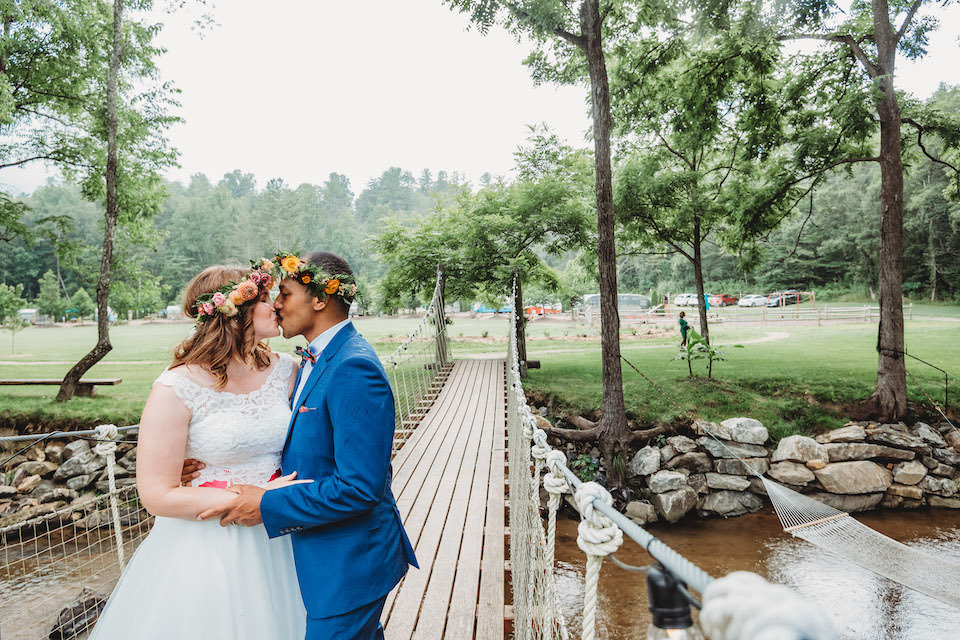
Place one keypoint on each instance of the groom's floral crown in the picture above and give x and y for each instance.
(317, 281)
(228, 299)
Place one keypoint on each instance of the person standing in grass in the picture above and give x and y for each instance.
(683, 329)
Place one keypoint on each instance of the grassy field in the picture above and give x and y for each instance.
(796, 380)
(791, 377)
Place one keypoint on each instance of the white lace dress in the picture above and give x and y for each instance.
(192, 579)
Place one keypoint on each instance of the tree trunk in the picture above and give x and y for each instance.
(441, 318)
(932, 255)
(889, 399)
(698, 278)
(69, 385)
(521, 326)
(614, 436)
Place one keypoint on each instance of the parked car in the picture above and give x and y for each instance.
(752, 300)
(686, 300)
(721, 300)
(783, 298)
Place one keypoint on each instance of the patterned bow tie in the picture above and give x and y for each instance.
(305, 355)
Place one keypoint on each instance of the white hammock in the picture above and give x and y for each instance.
(838, 532)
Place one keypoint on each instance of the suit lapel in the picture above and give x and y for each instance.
(323, 361)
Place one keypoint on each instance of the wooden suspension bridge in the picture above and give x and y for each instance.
(449, 481)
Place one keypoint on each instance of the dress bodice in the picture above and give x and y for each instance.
(239, 437)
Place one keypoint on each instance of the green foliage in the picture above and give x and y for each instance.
(697, 348)
(585, 467)
(49, 301)
(81, 304)
(482, 239)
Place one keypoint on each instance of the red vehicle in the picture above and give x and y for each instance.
(723, 300)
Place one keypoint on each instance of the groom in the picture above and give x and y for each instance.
(349, 544)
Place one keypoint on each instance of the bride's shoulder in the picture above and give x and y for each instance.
(187, 374)
(285, 362)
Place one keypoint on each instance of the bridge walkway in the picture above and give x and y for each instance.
(449, 481)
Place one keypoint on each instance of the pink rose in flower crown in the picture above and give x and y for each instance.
(256, 279)
(208, 308)
(219, 299)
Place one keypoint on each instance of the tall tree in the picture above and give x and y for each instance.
(869, 37)
(578, 34)
(125, 151)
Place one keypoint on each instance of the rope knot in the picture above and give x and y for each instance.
(598, 535)
(555, 460)
(540, 448)
(106, 433)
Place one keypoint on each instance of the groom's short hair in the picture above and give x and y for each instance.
(333, 265)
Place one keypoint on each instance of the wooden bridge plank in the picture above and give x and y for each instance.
(490, 606)
(461, 619)
(436, 602)
(429, 514)
(434, 486)
(449, 484)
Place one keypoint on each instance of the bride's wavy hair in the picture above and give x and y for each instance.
(220, 339)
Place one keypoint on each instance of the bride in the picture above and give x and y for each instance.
(224, 400)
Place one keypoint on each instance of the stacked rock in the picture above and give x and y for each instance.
(50, 478)
(705, 474)
(890, 465)
(857, 467)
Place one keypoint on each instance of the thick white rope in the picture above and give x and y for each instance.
(597, 537)
(107, 448)
(556, 485)
(744, 605)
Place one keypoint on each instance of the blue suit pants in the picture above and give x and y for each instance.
(360, 624)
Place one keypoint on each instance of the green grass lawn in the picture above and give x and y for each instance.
(793, 384)
(791, 379)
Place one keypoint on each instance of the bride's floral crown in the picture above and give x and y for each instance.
(320, 283)
(229, 298)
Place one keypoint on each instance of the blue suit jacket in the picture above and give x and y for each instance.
(348, 540)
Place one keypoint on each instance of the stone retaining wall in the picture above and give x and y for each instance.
(858, 467)
(48, 478)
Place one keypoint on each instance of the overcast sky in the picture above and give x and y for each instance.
(297, 89)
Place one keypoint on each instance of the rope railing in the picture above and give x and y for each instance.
(536, 611)
(62, 552)
(419, 366)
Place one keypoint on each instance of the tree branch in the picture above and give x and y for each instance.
(920, 130)
(846, 39)
(577, 41)
(573, 435)
(906, 21)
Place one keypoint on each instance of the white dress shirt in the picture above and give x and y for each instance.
(317, 346)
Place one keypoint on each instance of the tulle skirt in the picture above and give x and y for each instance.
(191, 579)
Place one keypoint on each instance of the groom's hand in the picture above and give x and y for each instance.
(191, 470)
(243, 510)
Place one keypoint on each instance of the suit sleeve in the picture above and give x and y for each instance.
(362, 418)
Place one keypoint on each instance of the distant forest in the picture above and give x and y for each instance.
(828, 243)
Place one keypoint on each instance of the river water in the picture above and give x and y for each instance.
(861, 604)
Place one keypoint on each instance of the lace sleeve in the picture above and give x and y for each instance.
(185, 389)
(286, 365)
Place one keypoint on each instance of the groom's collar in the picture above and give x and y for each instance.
(330, 340)
(320, 343)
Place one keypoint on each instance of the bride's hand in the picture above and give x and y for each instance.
(285, 481)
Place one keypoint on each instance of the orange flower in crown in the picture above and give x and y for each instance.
(319, 283)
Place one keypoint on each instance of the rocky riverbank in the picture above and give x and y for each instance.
(861, 466)
(48, 478)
